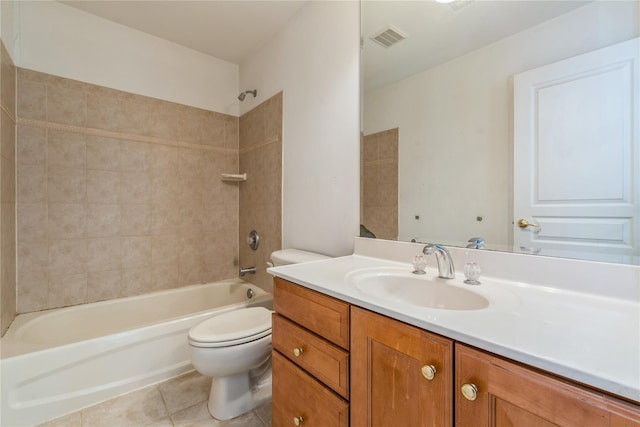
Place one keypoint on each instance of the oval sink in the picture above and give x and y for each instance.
(423, 291)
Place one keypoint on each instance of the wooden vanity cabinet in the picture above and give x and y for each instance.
(310, 337)
(507, 394)
(402, 375)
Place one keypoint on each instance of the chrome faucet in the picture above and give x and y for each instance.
(443, 257)
(476, 243)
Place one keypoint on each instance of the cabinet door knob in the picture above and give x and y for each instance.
(429, 372)
(297, 352)
(469, 391)
(298, 420)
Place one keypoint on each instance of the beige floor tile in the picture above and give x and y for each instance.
(185, 391)
(198, 416)
(264, 413)
(136, 409)
(71, 420)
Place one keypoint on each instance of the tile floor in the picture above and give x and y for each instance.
(177, 402)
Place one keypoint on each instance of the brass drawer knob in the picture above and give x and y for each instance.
(469, 391)
(297, 352)
(298, 420)
(429, 372)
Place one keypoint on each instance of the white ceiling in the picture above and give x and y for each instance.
(229, 30)
(234, 29)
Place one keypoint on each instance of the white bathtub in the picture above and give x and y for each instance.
(55, 362)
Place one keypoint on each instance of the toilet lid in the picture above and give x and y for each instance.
(233, 327)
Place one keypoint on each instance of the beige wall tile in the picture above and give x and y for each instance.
(136, 281)
(104, 285)
(164, 276)
(67, 106)
(8, 196)
(8, 269)
(135, 156)
(104, 253)
(163, 249)
(164, 159)
(103, 153)
(66, 185)
(66, 149)
(32, 222)
(32, 184)
(105, 186)
(105, 220)
(33, 294)
(32, 145)
(260, 195)
(32, 99)
(67, 221)
(164, 218)
(110, 208)
(136, 251)
(135, 187)
(136, 219)
(33, 260)
(67, 290)
(8, 135)
(67, 257)
(8, 184)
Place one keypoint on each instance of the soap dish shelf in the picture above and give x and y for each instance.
(234, 177)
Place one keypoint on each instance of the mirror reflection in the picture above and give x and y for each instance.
(504, 125)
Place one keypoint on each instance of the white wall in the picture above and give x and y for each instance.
(7, 27)
(315, 61)
(470, 99)
(64, 41)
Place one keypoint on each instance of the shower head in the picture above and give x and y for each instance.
(242, 95)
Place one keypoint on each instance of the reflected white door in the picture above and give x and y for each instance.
(577, 154)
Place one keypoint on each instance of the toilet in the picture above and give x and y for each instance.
(234, 349)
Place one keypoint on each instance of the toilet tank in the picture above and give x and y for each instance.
(294, 256)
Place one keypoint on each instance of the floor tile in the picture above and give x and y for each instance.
(264, 413)
(135, 409)
(185, 391)
(71, 420)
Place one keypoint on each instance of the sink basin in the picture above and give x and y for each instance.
(423, 291)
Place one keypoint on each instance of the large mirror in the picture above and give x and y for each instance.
(455, 93)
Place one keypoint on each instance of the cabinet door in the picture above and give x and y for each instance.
(391, 367)
(510, 395)
(300, 400)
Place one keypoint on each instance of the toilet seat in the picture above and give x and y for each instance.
(232, 328)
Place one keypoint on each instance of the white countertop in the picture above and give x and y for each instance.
(589, 338)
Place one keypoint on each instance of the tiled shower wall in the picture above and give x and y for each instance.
(119, 194)
(261, 193)
(7, 189)
(379, 183)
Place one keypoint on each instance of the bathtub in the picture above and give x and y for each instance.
(58, 361)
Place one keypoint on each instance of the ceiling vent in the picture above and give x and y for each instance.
(388, 36)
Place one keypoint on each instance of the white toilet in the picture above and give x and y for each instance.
(234, 349)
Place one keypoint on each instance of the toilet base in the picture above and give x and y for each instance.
(234, 395)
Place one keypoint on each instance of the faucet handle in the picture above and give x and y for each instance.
(476, 243)
(419, 264)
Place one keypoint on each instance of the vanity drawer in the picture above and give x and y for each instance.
(325, 361)
(301, 396)
(319, 313)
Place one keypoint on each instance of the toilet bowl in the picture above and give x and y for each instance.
(234, 349)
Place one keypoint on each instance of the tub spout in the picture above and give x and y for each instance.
(248, 270)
